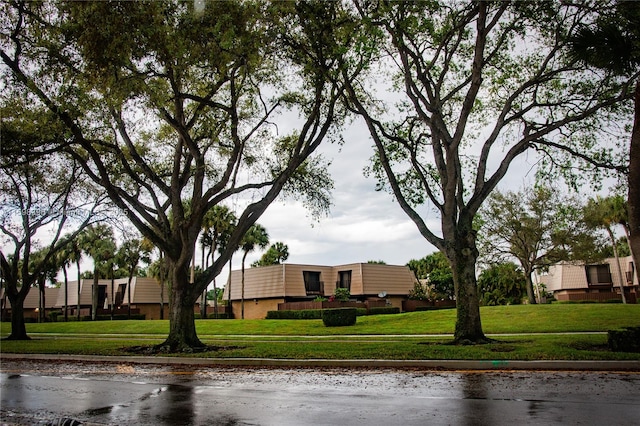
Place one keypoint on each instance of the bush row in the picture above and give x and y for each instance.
(317, 313)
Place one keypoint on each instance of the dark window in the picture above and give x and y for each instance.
(102, 296)
(599, 275)
(344, 280)
(312, 283)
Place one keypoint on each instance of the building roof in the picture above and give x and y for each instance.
(287, 280)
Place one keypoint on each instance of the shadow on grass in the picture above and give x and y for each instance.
(161, 349)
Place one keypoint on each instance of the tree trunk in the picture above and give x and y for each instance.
(66, 294)
(215, 299)
(531, 294)
(242, 286)
(78, 288)
(42, 302)
(182, 327)
(462, 255)
(129, 295)
(633, 200)
(229, 306)
(18, 327)
(94, 295)
(615, 253)
(111, 302)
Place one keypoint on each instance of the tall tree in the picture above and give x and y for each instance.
(98, 243)
(158, 270)
(502, 284)
(65, 260)
(256, 237)
(276, 254)
(129, 256)
(435, 268)
(166, 104)
(538, 227)
(74, 252)
(218, 225)
(41, 198)
(478, 84)
(605, 213)
(612, 42)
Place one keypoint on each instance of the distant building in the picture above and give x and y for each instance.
(145, 297)
(598, 282)
(32, 303)
(265, 287)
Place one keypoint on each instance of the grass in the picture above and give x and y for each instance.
(399, 336)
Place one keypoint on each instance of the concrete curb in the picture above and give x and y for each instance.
(483, 365)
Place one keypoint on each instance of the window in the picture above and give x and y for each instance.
(344, 280)
(312, 283)
(630, 272)
(598, 275)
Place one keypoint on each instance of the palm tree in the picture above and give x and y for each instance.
(276, 254)
(612, 43)
(97, 242)
(129, 256)
(64, 260)
(74, 252)
(218, 224)
(605, 213)
(157, 270)
(256, 236)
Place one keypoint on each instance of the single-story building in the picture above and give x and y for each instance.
(32, 303)
(266, 287)
(145, 297)
(599, 282)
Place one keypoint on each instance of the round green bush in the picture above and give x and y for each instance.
(339, 317)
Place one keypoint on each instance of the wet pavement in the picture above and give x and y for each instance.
(117, 394)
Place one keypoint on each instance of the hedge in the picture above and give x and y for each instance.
(317, 313)
(627, 340)
(339, 317)
(299, 314)
(387, 310)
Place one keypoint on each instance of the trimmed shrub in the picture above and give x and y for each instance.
(339, 317)
(300, 314)
(627, 340)
(360, 312)
(221, 315)
(384, 311)
(118, 317)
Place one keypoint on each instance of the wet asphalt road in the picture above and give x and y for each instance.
(122, 394)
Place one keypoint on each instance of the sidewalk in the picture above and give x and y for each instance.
(482, 365)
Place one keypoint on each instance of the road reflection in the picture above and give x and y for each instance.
(158, 395)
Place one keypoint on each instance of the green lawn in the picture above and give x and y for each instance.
(394, 336)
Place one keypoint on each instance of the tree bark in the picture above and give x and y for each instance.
(94, 295)
(462, 255)
(531, 294)
(633, 200)
(619, 268)
(66, 294)
(18, 327)
(182, 327)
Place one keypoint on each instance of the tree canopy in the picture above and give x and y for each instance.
(476, 85)
(537, 227)
(171, 110)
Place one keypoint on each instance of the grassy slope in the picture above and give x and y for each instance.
(495, 320)
(321, 342)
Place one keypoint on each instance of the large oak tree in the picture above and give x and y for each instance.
(44, 204)
(171, 109)
(476, 84)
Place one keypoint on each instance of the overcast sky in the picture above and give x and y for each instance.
(364, 224)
